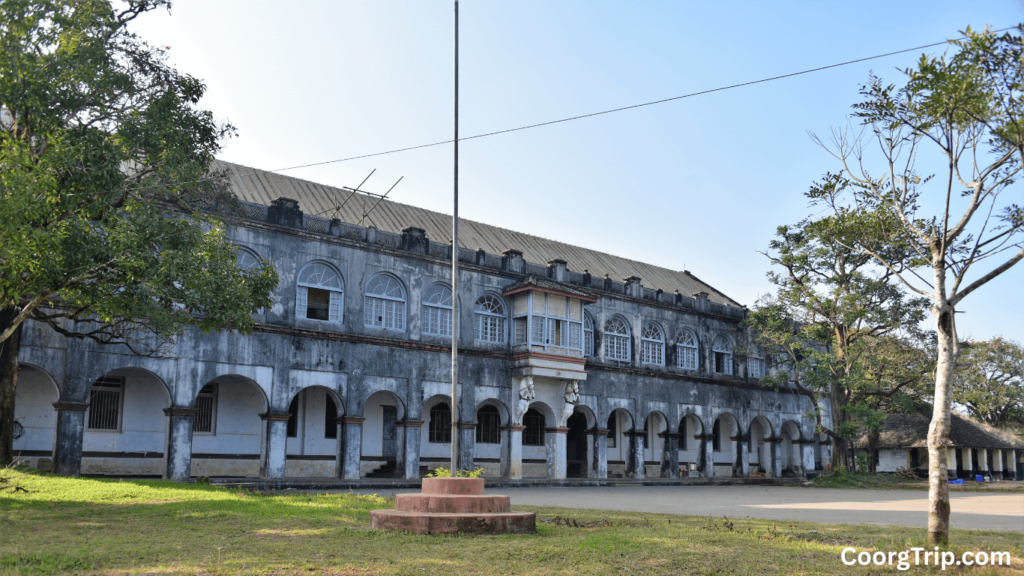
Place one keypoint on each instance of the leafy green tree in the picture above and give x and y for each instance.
(963, 116)
(108, 226)
(840, 328)
(989, 382)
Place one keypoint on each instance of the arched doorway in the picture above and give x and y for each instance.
(620, 429)
(227, 432)
(760, 446)
(576, 446)
(125, 424)
(490, 441)
(313, 433)
(383, 439)
(792, 459)
(655, 428)
(725, 455)
(691, 455)
(34, 417)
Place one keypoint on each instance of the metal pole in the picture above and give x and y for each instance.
(455, 267)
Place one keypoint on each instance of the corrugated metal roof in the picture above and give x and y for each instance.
(262, 187)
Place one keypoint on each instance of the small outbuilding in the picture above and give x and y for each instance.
(975, 448)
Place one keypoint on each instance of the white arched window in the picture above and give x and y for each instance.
(686, 351)
(384, 303)
(616, 339)
(652, 345)
(490, 319)
(588, 335)
(755, 363)
(721, 350)
(437, 310)
(318, 295)
(249, 261)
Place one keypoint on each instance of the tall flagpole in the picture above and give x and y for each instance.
(455, 268)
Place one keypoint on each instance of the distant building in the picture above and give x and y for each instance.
(573, 362)
(975, 449)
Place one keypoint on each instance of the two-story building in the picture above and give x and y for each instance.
(573, 363)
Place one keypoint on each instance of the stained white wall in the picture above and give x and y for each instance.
(142, 417)
(691, 453)
(33, 408)
(237, 425)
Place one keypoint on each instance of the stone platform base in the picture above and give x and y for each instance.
(450, 505)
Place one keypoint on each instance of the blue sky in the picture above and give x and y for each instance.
(700, 183)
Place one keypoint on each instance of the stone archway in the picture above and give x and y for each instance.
(576, 446)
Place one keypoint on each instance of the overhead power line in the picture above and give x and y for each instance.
(592, 114)
(624, 108)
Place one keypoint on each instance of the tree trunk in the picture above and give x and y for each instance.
(8, 381)
(872, 448)
(938, 430)
(840, 447)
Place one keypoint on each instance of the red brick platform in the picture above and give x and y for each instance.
(449, 505)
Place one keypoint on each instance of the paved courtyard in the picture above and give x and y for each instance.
(997, 511)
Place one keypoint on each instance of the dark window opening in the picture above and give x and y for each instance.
(716, 441)
(105, 404)
(440, 424)
(330, 418)
(488, 424)
(915, 458)
(203, 421)
(720, 362)
(317, 303)
(612, 433)
(533, 435)
(293, 417)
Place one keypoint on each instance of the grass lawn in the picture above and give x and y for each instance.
(55, 525)
(892, 482)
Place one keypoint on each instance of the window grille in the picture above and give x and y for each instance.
(490, 319)
(248, 260)
(687, 351)
(755, 364)
(293, 417)
(537, 333)
(330, 419)
(319, 293)
(206, 405)
(519, 326)
(488, 426)
(533, 434)
(722, 350)
(440, 424)
(105, 404)
(616, 340)
(384, 303)
(588, 335)
(437, 310)
(652, 345)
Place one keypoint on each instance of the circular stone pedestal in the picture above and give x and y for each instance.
(449, 505)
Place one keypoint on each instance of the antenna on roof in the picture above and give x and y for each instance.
(337, 208)
(367, 213)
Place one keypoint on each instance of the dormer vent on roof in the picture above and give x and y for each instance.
(285, 212)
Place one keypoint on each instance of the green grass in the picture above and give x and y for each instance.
(54, 525)
(891, 482)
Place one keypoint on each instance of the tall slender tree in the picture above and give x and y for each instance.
(961, 115)
(108, 208)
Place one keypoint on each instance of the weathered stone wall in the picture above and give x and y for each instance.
(365, 369)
